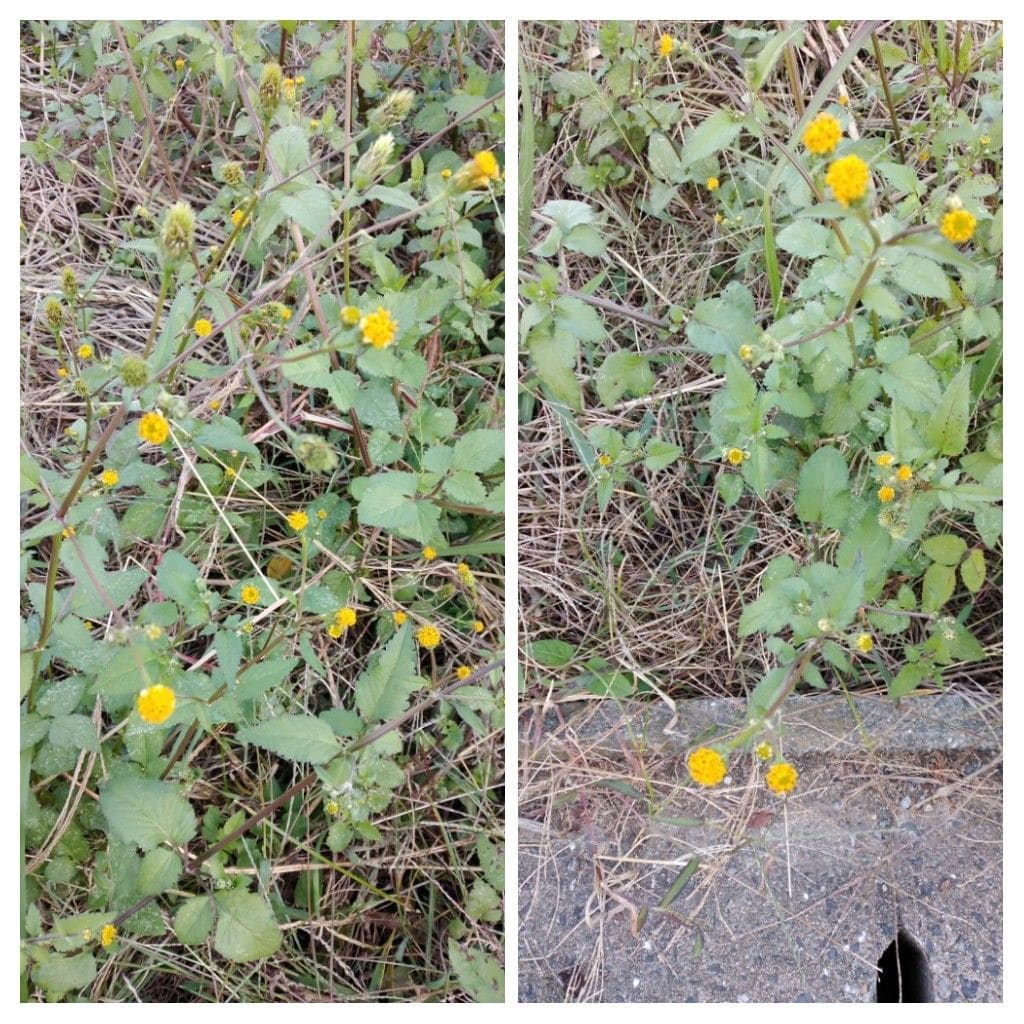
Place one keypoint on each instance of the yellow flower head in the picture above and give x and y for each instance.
(746, 353)
(321, 514)
(62, 372)
(314, 124)
(666, 44)
(822, 135)
(604, 460)
(463, 672)
(298, 521)
(864, 643)
(153, 631)
(231, 472)
(345, 617)
(154, 428)
(331, 807)
(465, 573)
(885, 459)
(109, 478)
(428, 637)
(334, 630)
(719, 219)
(204, 328)
(478, 626)
(68, 531)
(250, 594)
(706, 766)
(763, 750)
(781, 778)
(107, 935)
(300, 80)
(904, 473)
(379, 328)
(886, 493)
(85, 351)
(848, 178)
(485, 169)
(156, 704)
(429, 554)
(735, 456)
(350, 316)
(399, 617)
(284, 312)
(446, 173)
(238, 217)
(958, 226)
(179, 63)
(844, 100)
(288, 88)
(215, 404)
(712, 183)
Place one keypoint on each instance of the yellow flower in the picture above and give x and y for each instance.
(904, 473)
(781, 778)
(885, 459)
(87, 935)
(230, 473)
(153, 631)
(179, 64)
(746, 352)
(154, 428)
(379, 329)
(666, 44)
(478, 626)
(334, 630)
(349, 315)
(249, 594)
(484, 169)
(848, 178)
(247, 628)
(204, 328)
(85, 351)
(314, 124)
(763, 750)
(62, 372)
(706, 766)
(465, 573)
(109, 478)
(68, 531)
(429, 554)
(321, 514)
(719, 219)
(300, 80)
(288, 86)
(428, 637)
(886, 493)
(399, 617)
(822, 135)
(345, 617)
(712, 183)
(331, 807)
(463, 672)
(446, 173)
(107, 935)
(215, 404)
(864, 643)
(298, 521)
(735, 456)
(958, 226)
(238, 217)
(985, 140)
(156, 704)
(844, 100)
(284, 312)
(604, 460)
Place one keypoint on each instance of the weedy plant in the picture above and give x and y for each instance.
(850, 321)
(262, 492)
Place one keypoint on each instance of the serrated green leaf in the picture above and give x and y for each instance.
(383, 690)
(193, 921)
(947, 427)
(160, 869)
(297, 737)
(823, 491)
(246, 929)
(147, 812)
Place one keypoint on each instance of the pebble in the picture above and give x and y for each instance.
(905, 803)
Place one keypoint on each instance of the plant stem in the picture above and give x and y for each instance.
(884, 76)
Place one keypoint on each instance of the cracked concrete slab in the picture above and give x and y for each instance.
(896, 823)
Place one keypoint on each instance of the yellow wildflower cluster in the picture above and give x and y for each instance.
(735, 456)
(428, 637)
(706, 766)
(344, 619)
(399, 617)
(250, 594)
(666, 44)
(379, 328)
(156, 704)
(849, 178)
(478, 626)
(864, 643)
(109, 478)
(204, 328)
(463, 672)
(712, 184)
(350, 316)
(107, 935)
(465, 574)
(958, 226)
(781, 778)
(429, 553)
(154, 428)
(86, 351)
(298, 521)
(822, 134)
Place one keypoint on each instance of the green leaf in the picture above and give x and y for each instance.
(912, 382)
(553, 355)
(946, 548)
(623, 372)
(908, 678)
(309, 368)
(804, 238)
(75, 731)
(290, 149)
(715, 133)
(258, 678)
(478, 973)
(194, 920)
(147, 812)
(937, 589)
(65, 973)
(972, 572)
(96, 589)
(160, 869)
(383, 690)
(577, 83)
(760, 68)
(176, 576)
(921, 276)
(296, 737)
(822, 494)
(552, 653)
(224, 435)
(478, 450)
(662, 159)
(246, 929)
(947, 428)
(386, 500)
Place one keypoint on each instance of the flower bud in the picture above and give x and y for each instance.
(315, 453)
(54, 313)
(231, 173)
(177, 234)
(135, 371)
(270, 89)
(374, 161)
(69, 285)
(476, 173)
(394, 110)
(953, 202)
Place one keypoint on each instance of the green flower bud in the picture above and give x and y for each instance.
(177, 233)
(135, 371)
(69, 285)
(231, 173)
(394, 110)
(315, 453)
(374, 161)
(54, 313)
(270, 89)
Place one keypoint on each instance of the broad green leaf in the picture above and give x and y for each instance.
(805, 238)
(972, 572)
(478, 972)
(478, 450)
(662, 159)
(387, 500)
(946, 548)
(908, 678)
(822, 494)
(577, 83)
(383, 690)
(553, 355)
(937, 589)
(161, 869)
(224, 435)
(912, 383)
(258, 678)
(294, 736)
(947, 428)
(921, 276)
(194, 920)
(75, 731)
(308, 367)
(623, 372)
(147, 812)
(552, 653)
(715, 133)
(290, 149)
(246, 929)
(63, 974)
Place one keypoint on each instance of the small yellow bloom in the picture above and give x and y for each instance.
(463, 672)
(706, 766)
(87, 935)
(904, 473)
(215, 404)
(666, 44)
(334, 630)
(604, 460)
(88, 627)
(864, 643)
(465, 573)
(350, 316)
(298, 521)
(204, 328)
(153, 631)
(719, 219)
(179, 64)
(288, 87)
(885, 459)
(331, 807)
(735, 456)
(484, 169)
(247, 628)
(446, 173)
(250, 594)
(958, 226)
(345, 617)
(849, 178)
(300, 80)
(886, 493)
(428, 637)
(844, 100)
(62, 372)
(156, 704)
(109, 478)
(154, 428)
(763, 750)
(314, 124)
(822, 135)
(712, 184)
(985, 140)
(478, 626)
(85, 351)
(429, 554)
(321, 514)
(379, 328)
(781, 778)
(399, 617)
(107, 935)
(746, 353)
(284, 312)
(68, 531)
(238, 217)
(230, 473)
